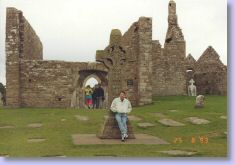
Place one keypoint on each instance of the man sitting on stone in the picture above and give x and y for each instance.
(121, 106)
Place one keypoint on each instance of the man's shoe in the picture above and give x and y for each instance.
(125, 136)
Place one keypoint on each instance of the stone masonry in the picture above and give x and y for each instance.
(22, 43)
(210, 74)
(132, 62)
(128, 58)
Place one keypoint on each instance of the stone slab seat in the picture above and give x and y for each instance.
(110, 129)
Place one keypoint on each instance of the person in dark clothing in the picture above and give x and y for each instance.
(100, 96)
(94, 96)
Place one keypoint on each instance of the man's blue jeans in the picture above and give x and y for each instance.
(122, 120)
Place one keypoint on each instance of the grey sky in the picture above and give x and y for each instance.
(72, 30)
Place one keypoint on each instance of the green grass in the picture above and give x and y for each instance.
(58, 133)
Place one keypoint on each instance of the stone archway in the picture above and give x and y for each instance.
(100, 76)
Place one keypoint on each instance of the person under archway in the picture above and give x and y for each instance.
(88, 95)
(94, 96)
(100, 97)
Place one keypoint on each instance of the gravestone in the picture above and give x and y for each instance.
(192, 90)
(111, 130)
(172, 110)
(35, 140)
(134, 118)
(160, 115)
(197, 120)
(145, 125)
(223, 117)
(200, 101)
(170, 122)
(6, 126)
(63, 120)
(82, 118)
(34, 125)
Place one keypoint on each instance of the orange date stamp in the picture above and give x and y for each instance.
(193, 140)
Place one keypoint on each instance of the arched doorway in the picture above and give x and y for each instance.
(84, 77)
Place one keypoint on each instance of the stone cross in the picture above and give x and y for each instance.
(192, 90)
(191, 81)
(114, 58)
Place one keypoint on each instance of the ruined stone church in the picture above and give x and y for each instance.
(132, 62)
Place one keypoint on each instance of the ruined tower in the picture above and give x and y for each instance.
(169, 74)
(174, 53)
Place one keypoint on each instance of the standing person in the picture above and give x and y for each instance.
(88, 95)
(100, 96)
(94, 96)
(121, 106)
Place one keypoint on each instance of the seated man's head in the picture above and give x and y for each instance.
(122, 95)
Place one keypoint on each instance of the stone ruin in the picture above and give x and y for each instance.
(132, 62)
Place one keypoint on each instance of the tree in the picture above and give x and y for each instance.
(3, 91)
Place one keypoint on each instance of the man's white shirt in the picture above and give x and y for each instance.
(121, 106)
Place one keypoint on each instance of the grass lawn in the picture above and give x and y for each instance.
(60, 124)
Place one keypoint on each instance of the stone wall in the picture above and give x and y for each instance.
(158, 76)
(46, 83)
(31, 45)
(130, 43)
(51, 83)
(174, 71)
(12, 57)
(145, 60)
(21, 43)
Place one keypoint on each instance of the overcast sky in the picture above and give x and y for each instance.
(72, 30)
